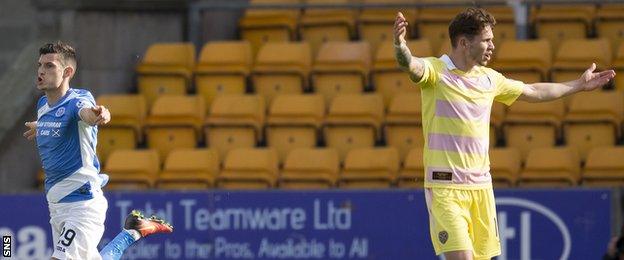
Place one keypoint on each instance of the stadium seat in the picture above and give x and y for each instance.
(189, 169)
(532, 125)
(505, 28)
(249, 168)
(308, 168)
(175, 122)
(604, 167)
(387, 78)
(444, 48)
(413, 171)
(353, 121)
(375, 25)
(165, 69)
(594, 120)
(282, 68)
(367, 168)
(504, 166)
(235, 121)
(610, 23)
(557, 22)
(497, 117)
(319, 26)
(294, 121)
(259, 26)
(551, 167)
(433, 22)
(403, 127)
(125, 130)
(527, 61)
(618, 65)
(222, 68)
(576, 55)
(341, 68)
(132, 169)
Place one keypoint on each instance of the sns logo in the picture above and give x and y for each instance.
(517, 218)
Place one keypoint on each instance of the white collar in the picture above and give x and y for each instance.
(449, 63)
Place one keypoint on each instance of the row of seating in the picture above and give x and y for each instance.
(341, 67)
(258, 168)
(352, 121)
(555, 22)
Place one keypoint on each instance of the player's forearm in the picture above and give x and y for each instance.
(546, 91)
(403, 56)
(88, 116)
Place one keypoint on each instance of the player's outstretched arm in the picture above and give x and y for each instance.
(412, 65)
(97, 115)
(590, 80)
(31, 133)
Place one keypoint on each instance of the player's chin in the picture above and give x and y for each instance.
(484, 62)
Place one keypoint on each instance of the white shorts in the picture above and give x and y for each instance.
(77, 227)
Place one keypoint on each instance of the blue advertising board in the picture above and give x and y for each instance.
(336, 224)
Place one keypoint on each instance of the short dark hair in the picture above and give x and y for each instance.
(469, 23)
(66, 51)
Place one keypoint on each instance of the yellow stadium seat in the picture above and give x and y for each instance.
(576, 55)
(403, 127)
(367, 168)
(433, 22)
(175, 122)
(527, 61)
(604, 167)
(532, 125)
(308, 168)
(387, 78)
(249, 168)
(189, 169)
(504, 166)
(259, 26)
(594, 120)
(166, 69)
(413, 171)
(497, 117)
(353, 121)
(319, 26)
(223, 68)
(341, 68)
(376, 25)
(235, 121)
(294, 122)
(610, 23)
(282, 68)
(125, 130)
(444, 48)
(618, 65)
(551, 167)
(505, 28)
(556, 22)
(132, 169)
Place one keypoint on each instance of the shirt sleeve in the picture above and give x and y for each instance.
(82, 101)
(429, 73)
(507, 90)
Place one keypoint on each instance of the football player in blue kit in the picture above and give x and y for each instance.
(66, 137)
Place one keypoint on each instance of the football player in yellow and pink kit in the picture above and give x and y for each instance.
(457, 92)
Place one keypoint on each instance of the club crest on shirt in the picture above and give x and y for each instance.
(60, 112)
(443, 236)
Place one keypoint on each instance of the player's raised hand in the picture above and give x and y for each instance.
(400, 29)
(591, 80)
(103, 115)
(31, 133)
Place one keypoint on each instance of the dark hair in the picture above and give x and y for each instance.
(67, 52)
(469, 23)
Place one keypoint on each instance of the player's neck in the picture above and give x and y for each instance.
(54, 95)
(461, 61)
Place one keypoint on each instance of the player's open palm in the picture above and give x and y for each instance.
(592, 80)
(31, 133)
(400, 29)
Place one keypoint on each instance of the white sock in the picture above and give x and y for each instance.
(135, 234)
